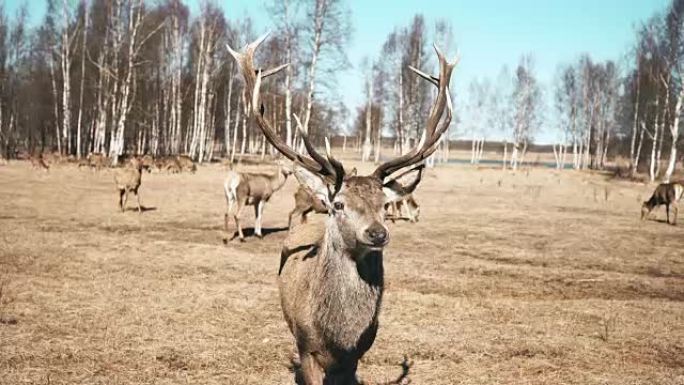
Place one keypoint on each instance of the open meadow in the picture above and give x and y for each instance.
(528, 277)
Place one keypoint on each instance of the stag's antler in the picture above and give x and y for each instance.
(327, 167)
(431, 135)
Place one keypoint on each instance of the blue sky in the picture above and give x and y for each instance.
(489, 33)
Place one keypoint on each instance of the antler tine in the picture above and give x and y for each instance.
(337, 166)
(253, 78)
(432, 133)
(432, 79)
(325, 163)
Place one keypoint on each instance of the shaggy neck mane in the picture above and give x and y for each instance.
(349, 286)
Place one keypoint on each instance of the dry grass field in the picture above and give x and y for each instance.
(531, 277)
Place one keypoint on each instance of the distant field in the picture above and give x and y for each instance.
(533, 277)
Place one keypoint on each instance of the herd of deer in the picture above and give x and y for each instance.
(331, 278)
(98, 161)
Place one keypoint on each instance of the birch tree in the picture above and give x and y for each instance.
(526, 105)
(328, 34)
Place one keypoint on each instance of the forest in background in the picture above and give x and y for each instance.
(149, 77)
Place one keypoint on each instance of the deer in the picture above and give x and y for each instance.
(39, 163)
(405, 196)
(186, 163)
(251, 189)
(306, 202)
(331, 278)
(128, 179)
(97, 161)
(668, 194)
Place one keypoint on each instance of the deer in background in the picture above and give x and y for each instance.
(306, 201)
(250, 189)
(331, 278)
(405, 197)
(128, 179)
(668, 194)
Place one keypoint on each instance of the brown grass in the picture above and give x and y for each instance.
(509, 278)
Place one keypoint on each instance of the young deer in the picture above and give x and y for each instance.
(250, 189)
(331, 277)
(668, 194)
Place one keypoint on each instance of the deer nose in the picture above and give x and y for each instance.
(377, 234)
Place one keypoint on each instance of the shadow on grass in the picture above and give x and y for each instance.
(249, 232)
(403, 378)
(143, 209)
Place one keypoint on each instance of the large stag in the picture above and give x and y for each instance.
(331, 277)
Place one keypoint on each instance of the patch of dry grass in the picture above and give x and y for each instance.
(515, 278)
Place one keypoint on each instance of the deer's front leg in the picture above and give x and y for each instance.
(311, 371)
(258, 211)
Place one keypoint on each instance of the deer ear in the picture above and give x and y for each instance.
(315, 183)
(352, 172)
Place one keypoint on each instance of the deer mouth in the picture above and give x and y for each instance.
(374, 245)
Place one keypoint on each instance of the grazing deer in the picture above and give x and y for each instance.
(38, 163)
(127, 180)
(147, 162)
(251, 189)
(97, 160)
(186, 163)
(331, 277)
(405, 197)
(306, 202)
(668, 194)
(411, 206)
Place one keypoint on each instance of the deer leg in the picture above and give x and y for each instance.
(289, 218)
(230, 200)
(236, 216)
(137, 197)
(409, 211)
(304, 214)
(667, 210)
(311, 371)
(675, 211)
(393, 206)
(226, 234)
(292, 214)
(121, 195)
(123, 207)
(259, 210)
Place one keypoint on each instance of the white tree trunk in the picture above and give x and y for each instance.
(674, 131)
(367, 147)
(80, 97)
(66, 78)
(317, 42)
(288, 75)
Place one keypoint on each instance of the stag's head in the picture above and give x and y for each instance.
(355, 203)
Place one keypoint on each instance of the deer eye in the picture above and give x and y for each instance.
(339, 206)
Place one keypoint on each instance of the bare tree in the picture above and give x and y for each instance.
(526, 102)
(328, 35)
(367, 146)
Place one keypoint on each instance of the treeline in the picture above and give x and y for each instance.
(398, 101)
(130, 76)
